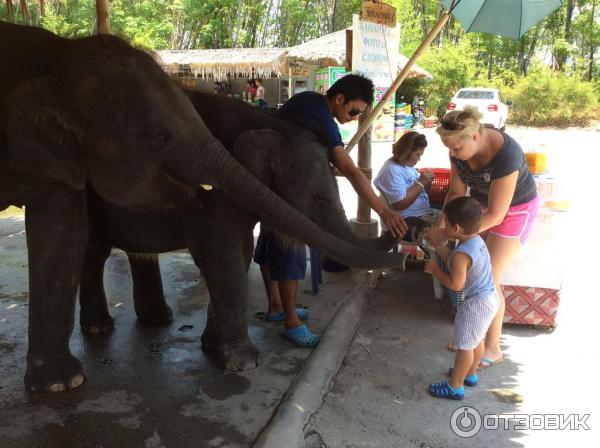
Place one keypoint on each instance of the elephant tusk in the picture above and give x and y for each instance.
(206, 187)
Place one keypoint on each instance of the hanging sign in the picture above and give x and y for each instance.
(375, 55)
(377, 12)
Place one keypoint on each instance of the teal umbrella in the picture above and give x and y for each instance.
(510, 18)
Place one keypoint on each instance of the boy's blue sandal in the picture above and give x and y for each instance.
(444, 390)
(302, 314)
(302, 336)
(470, 380)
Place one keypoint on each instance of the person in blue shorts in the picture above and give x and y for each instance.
(282, 265)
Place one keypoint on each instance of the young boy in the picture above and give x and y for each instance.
(470, 274)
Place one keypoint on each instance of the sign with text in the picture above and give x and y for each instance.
(375, 55)
(378, 12)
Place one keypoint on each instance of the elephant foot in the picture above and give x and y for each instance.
(93, 326)
(163, 316)
(53, 373)
(237, 357)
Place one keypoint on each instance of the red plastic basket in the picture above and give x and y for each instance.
(439, 186)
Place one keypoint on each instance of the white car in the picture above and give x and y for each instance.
(487, 101)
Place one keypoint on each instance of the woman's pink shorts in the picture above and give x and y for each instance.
(518, 222)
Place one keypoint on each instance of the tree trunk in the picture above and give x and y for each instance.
(561, 59)
(25, 10)
(10, 8)
(102, 22)
(592, 45)
(334, 15)
(526, 54)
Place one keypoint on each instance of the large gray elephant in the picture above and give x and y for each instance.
(95, 111)
(218, 231)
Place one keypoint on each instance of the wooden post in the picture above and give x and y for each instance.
(399, 79)
(348, 63)
(102, 22)
(363, 212)
(363, 224)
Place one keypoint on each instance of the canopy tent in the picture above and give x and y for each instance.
(218, 63)
(328, 50)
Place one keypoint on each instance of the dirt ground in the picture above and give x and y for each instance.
(379, 397)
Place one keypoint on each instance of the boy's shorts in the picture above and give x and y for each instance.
(473, 318)
(518, 222)
(284, 262)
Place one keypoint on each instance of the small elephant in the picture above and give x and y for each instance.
(96, 112)
(218, 230)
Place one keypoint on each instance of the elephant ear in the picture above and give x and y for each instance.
(44, 141)
(260, 152)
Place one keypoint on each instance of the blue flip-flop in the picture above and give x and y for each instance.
(302, 314)
(444, 390)
(470, 380)
(302, 336)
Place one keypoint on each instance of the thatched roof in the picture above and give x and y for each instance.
(245, 62)
(328, 50)
(331, 50)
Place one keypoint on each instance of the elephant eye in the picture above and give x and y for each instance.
(155, 138)
(319, 198)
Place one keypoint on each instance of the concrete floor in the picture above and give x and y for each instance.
(145, 386)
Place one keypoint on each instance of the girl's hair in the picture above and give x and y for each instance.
(464, 211)
(460, 123)
(409, 142)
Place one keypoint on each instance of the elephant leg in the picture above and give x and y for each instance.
(148, 297)
(56, 227)
(220, 254)
(94, 317)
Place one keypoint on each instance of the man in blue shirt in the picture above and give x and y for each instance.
(282, 267)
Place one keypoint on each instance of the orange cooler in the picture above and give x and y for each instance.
(536, 161)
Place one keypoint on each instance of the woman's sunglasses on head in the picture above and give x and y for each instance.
(452, 126)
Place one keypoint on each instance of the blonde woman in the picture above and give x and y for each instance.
(493, 166)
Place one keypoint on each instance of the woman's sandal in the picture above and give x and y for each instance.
(470, 380)
(484, 363)
(302, 314)
(444, 390)
(302, 336)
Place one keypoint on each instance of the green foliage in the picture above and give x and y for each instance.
(451, 68)
(544, 98)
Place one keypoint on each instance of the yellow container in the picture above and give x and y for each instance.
(536, 161)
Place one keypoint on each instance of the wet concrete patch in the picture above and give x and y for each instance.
(221, 388)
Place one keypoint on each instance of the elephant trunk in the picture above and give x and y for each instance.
(253, 195)
(337, 224)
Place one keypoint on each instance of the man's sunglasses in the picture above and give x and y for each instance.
(355, 112)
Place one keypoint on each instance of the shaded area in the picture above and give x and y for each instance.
(147, 386)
